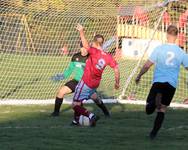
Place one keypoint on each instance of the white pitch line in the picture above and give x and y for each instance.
(34, 127)
(69, 101)
(178, 127)
(141, 102)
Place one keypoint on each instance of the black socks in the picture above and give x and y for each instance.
(58, 102)
(157, 124)
(103, 108)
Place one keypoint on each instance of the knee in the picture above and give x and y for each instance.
(98, 101)
(94, 96)
(63, 91)
(162, 108)
(75, 104)
(60, 94)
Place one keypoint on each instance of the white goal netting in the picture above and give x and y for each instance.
(38, 39)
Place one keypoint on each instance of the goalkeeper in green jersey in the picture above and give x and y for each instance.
(76, 67)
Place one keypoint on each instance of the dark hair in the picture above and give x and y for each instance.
(172, 30)
(97, 38)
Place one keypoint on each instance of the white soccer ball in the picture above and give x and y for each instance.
(84, 121)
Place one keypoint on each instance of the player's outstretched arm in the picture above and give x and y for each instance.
(108, 43)
(117, 77)
(61, 76)
(85, 43)
(144, 69)
(58, 77)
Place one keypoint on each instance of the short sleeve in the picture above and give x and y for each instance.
(113, 63)
(185, 60)
(153, 56)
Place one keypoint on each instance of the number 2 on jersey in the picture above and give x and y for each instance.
(170, 57)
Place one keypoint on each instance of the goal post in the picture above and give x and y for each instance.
(38, 39)
(158, 32)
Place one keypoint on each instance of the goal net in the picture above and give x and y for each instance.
(38, 39)
(146, 39)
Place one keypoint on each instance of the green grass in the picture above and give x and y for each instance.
(31, 128)
(28, 77)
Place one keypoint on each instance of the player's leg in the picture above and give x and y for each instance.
(158, 121)
(150, 102)
(83, 92)
(68, 88)
(81, 110)
(163, 100)
(59, 99)
(100, 104)
(77, 114)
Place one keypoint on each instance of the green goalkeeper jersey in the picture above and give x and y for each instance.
(76, 67)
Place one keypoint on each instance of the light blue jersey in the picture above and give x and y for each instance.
(168, 59)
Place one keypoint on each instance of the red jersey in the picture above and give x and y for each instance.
(95, 65)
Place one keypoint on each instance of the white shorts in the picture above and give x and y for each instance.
(83, 92)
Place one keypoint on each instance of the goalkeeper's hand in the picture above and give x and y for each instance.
(58, 77)
(79, 27)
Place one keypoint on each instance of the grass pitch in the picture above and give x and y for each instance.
(32, 128)
(28, 77)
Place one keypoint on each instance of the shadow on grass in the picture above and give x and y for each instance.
(32, 128)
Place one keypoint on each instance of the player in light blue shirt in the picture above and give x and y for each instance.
(167, 59)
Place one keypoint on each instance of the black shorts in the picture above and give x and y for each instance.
(72, 84)
(165, 89)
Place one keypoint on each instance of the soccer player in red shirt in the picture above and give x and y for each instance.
(95, 65)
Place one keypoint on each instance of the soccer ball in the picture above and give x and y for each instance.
(84, 121)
